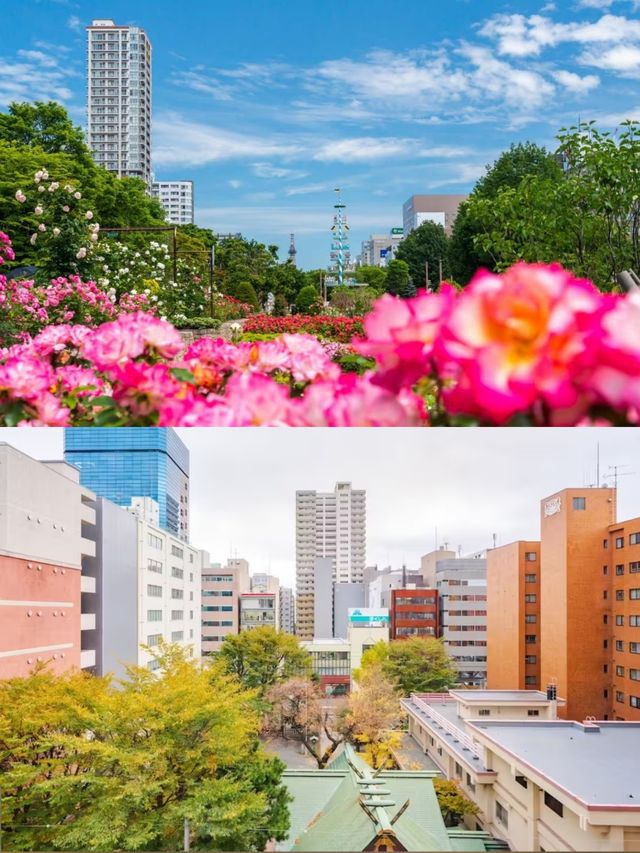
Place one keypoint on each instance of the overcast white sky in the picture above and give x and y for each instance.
(470, 483)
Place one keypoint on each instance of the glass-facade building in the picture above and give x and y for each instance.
(126, 462)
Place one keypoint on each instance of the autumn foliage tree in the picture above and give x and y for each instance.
(263, 656)
(415, 665)
(373, 713)
(453, 803)
(88, 763)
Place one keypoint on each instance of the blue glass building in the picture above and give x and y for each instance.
(120, 463)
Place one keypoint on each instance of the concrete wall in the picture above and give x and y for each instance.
(345, 595)
(323, 597)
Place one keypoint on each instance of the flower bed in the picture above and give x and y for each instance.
(340, 329)
(532, 346)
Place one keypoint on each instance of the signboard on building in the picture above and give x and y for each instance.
(369, 617)
(399, 231)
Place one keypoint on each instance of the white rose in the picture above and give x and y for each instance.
(94, 237)
(81, 253)
(33, 239)
(20, 196)
(38, 211)
(42, 227)
(88, 214)
(53, 186)
(77, 195)
(66, 208)
(56, 232)
(41, 188)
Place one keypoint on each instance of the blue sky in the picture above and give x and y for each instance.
(268, 104)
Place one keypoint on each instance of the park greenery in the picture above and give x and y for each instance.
(89, 763)
(263, 656)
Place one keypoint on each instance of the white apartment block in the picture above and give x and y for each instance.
(540, 783)
(149, 588)
(220, 612)
(331, 525)
(176, 197)
(258, 610)
(119, 98)
(287, 610)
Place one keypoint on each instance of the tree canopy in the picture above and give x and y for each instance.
(263, 656)
(87, 763)
(427, 243)
(414, 665)
(46, 126)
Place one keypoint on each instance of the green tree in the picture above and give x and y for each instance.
(415, 665)
(90, 764)
(352, 301)
(245, 292)
(453, 803)
(426, 244)
(398, 281)
(523, 160)
(307, 300)
(263, 656)
(46, 126)
(375, 277)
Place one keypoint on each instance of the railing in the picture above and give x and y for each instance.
(456, 734)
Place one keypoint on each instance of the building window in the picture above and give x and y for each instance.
(634, 539)
(605, 693)
(605, 619)
(530, 618)
(620, 671)
(177, 593)
(531, 556)
(619, 595)
(501, 814)
(530, 680)
(530, 639)
(634, 594)
(530, 598)
(177, 615)
(619, 620)
(484, 712)
(605, 544)
(620, 569)
(605, 593)
(605, 644)
(533, 712)
(634, 701)
(579, 503)
(619, 696)
(634, 621)
(634, 568)
(605, 570)
(634, 648)
(155, 541)
(176, 636)
(634, 674)
(153, 665)
(619, 541)
(154, 590)
(176, 572)
(553, 804)
(154, 566)
(521, 780)
(530, 659)
(154, 639)
(619, 646)
(154, 615)
(530, 578)
(177, 552)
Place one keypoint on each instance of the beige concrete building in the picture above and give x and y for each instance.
(540, 783)
(221, 591)
(441, 209)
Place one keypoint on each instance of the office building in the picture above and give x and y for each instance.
(413, 612)
(513, 607)
(221, 591)
(540, 783)
(264, 582)
(119, 98)
(130, 462)
(441, 209)
(148, 586)
(47, 602)
(329, 525)
(461, 584)
(287, 610)
(380, 249)
(587, 609)
(379, 582)
(335, 658)
(258, 610)
(176, 197)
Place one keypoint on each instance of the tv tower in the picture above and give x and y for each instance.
(340, 254)
(292, 250)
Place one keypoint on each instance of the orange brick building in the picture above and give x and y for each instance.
(513, 611)
(413, 613)
(586, 608)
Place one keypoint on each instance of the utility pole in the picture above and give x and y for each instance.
(440, 271)
(187, 836)
(426, 274)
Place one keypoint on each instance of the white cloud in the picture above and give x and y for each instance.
(443, 151)
(616, 119)
(39, 57)
(464, 173)
(364, 148)
(267, 170)
(74, 23)
(624, 59)
(178, 141)
(308, 189)
(496, 79)
(283, 219)
(199, 82)
(596, 4)
(575, 83)
(234, 184)
(32, 80)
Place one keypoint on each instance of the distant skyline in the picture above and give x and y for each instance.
(469, 484)
(269, 106)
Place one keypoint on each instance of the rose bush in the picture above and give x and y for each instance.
(339, 329)
(531, 346)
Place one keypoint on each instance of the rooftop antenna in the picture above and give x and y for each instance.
(436, 538)
(495, 539)
(598, 464)
(618, 473)
(459, 551)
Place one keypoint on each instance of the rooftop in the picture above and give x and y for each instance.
(527, 697)
(568, 753)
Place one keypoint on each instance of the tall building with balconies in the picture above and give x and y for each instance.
(119, 98)
(47, 599)
(328, 525)
(176, 197)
